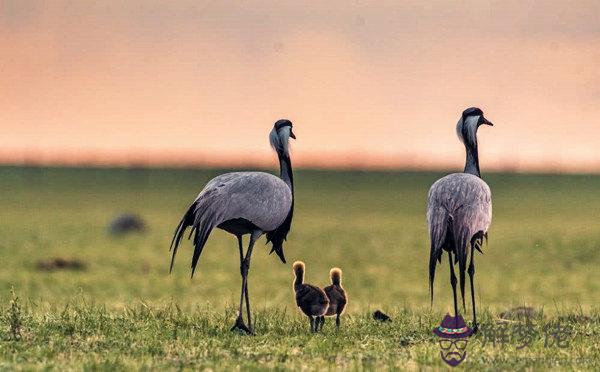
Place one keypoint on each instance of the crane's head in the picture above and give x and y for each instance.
(280, 135)
(469, 122)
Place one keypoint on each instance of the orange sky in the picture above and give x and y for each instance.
(366, 83)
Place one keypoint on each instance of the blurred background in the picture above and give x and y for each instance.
(368, 84)
(101, 101)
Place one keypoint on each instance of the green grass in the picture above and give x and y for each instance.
(125, 311)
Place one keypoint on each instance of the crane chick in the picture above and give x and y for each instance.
(311, 299)
(337, 297)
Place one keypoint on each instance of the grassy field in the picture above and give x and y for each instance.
(124, 310)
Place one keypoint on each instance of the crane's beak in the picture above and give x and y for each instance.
(486, 121)
(292, 134)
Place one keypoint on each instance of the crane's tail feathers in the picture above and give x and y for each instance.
(176, 235)
(461, 240)
(200, 239)
(439, 225)
(206, 219)
(202, 221)
(186, 221)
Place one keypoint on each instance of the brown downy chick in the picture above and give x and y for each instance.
(310, 299)
(337, 297)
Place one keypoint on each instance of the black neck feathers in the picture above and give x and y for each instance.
(468, 132)
(279, 235)
(472, 161)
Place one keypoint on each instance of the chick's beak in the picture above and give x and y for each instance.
(292, 134)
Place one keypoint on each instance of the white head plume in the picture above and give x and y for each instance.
(466, 129)
(279, 138)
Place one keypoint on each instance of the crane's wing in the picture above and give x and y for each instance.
(261, 198)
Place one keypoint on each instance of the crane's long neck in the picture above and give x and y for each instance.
(278, 236)
(472, 162)
(285, 171)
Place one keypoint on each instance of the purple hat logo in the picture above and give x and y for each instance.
(453, 334)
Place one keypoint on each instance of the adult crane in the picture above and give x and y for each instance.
(459, 212)
(241, 203)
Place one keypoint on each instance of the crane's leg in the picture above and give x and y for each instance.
(472, 280)
(453, 282)
(248, 305)
(337, 322)
(244, 268)
(253, 238)
(461, 272)
(239, 322)
(322, 321)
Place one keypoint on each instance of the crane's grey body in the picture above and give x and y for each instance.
(461, 202)
(459, 211)
(228, 200)
(243, 203)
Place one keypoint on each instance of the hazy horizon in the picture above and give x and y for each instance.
(366, 84)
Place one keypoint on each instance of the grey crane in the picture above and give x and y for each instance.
(459, 212)
(243, 203)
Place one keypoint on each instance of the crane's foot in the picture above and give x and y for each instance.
(241, 327)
